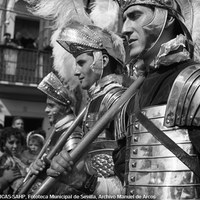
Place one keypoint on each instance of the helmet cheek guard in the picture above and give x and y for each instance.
(174, 8)
(155, 28)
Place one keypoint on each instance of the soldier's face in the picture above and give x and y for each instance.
(84, 71)
(135, 19)
(54, 111)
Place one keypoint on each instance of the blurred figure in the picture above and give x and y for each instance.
(30, 43)
(12, 169)
(6, 38)
(35, 141)
(8, 41)
(18, 122)
(18, 40)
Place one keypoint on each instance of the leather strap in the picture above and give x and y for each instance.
(191, 162)
(90, 184)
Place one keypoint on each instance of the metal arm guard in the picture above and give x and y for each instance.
(183, 107)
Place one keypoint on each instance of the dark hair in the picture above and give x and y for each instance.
(7, 34)
(7, 133)
(115, 66)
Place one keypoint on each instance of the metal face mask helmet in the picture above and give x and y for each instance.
(162, 8)
(78, 38)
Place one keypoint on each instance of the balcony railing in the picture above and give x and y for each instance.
(26, 66)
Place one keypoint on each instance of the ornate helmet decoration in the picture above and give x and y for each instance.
(172, 6)
(62, 12)
(78, 38)
(167, 4)
(54, 88)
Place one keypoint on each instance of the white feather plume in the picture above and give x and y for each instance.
(118, 44)
(64, 63)
(196, 28)
(61, 11)
(104, 14)
(191, 12)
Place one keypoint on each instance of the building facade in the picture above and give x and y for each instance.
(24, 61)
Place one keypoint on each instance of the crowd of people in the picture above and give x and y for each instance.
(150, 148)
(17, 152)
(19, 41)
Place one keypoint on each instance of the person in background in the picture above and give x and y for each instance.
(8, 41)
(12, 169)
(18, 122)
(6, 38)
(18, 40)
(34, 141)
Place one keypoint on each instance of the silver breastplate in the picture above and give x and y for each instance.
(153, 171)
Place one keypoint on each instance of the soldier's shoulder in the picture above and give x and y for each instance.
(183, 105)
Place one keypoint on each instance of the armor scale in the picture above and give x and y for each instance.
(100, 152)
(151, 169)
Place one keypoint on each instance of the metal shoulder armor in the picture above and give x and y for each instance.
(119, 119)
(183, 106)
(112, 96)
